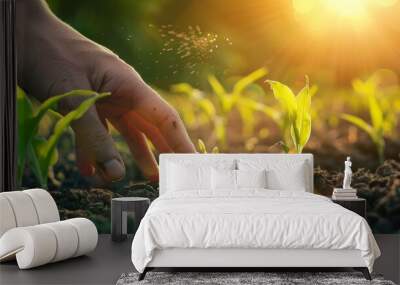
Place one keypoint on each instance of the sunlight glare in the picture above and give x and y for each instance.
(347, 8)
(386, 3)
(303, 6)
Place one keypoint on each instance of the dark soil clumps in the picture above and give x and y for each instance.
(381, 189)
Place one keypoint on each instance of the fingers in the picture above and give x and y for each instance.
(83, 162)
(154, 116)
(159, 113)
(151, 131)
(139, 148)
(95, 148)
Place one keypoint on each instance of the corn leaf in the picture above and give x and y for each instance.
(208, 107)
(35, 165)
(216, 86)
(204, 104)
(359, 123)
(184, 88)
(37, 151)
(295, 134)
(248, 118)
(303, 135)
(220, 130)
(367, 87)
(201, 146)
(272, 113)
(219, 90)
(247, 80)
(285, 97)
(256, 90)
(313, 90)
(24, 122)
(303, 117)
(51, 103)
(375, 113)
(46, 155)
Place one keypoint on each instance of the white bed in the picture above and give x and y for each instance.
(273, 226)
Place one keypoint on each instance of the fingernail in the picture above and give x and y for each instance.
(113, 169)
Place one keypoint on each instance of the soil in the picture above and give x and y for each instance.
(381, 189)
(94, 203)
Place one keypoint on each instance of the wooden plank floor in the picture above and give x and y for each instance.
(110, 260)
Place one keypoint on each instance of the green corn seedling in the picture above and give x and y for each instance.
(387, 103)
(229, 100)
(297, 114)
(279, 117)
(39, 151)
(381, 121)
(199, 100)
(203, 149)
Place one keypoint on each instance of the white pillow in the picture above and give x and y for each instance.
(223, 179)
(251, 178)
(295, 180)
(281, 174)
(182, 177)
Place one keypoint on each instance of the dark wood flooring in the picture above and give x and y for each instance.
(110, 260)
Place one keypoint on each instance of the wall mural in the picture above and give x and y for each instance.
(252, 76)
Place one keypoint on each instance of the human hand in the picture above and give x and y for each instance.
(54, 59)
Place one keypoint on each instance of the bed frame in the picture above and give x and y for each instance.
(243, 259)
(246, 258)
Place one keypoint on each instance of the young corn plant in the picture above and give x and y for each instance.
(229, 100)
(40, 152)
(387, 104)
(381, 121)
(203, 149)
(199, 100)
(279, 117)
(296, 118)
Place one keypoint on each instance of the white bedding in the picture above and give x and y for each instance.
(252, 218)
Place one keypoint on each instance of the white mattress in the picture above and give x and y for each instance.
(257, 219)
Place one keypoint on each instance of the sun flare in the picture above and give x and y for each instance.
(356, 12)
(355, 9)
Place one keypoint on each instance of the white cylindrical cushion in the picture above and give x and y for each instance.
(37, 245)
(87, 235)
(23, 208)
(33, 246)
(7, 218)
(67, 239)
(45, 205)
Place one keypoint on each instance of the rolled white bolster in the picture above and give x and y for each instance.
(40, 244)
(23, 208)
(7, 218)
(87, 235)
(46, 208)
(33, 246)
(67, 240)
